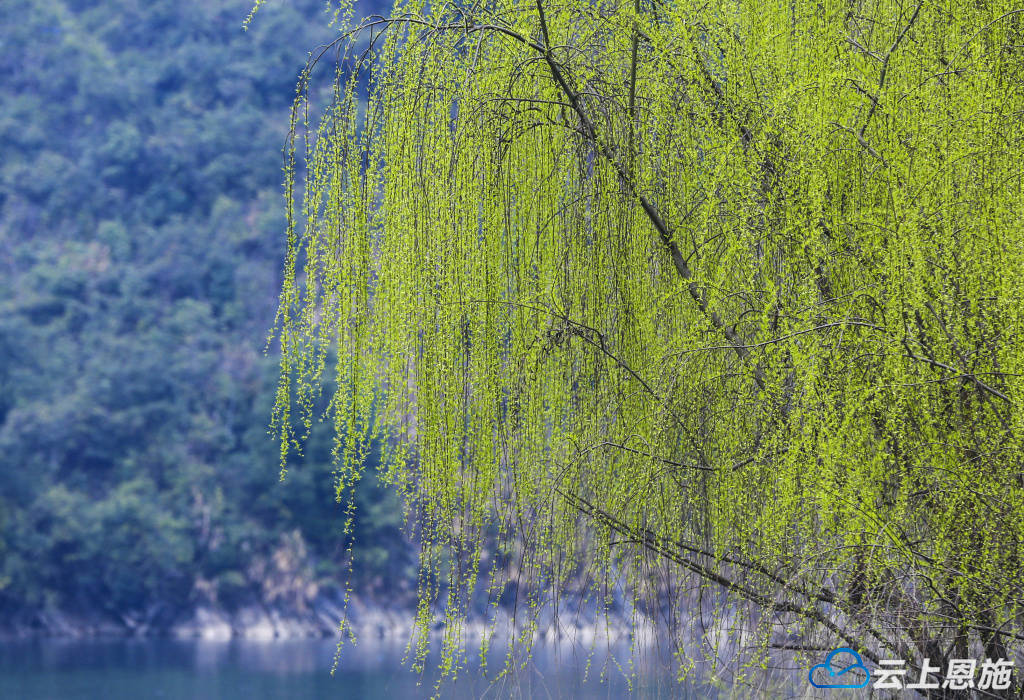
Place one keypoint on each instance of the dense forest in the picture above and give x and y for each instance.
(141, 239)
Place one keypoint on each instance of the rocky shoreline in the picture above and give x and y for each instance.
(257, 621)
(320, 618)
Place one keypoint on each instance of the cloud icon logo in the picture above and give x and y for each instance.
(841, 676)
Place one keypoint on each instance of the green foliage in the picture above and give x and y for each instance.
(140, 248)
(686, 285)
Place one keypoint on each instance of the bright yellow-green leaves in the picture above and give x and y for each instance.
(751, 306)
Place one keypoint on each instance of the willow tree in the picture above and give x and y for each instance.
(683, 295)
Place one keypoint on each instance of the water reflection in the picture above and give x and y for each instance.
(250, 670)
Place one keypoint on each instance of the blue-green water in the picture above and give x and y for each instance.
(242, 670)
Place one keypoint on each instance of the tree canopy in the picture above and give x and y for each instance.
(684, 295)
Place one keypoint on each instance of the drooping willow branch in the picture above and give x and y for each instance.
(639, 243)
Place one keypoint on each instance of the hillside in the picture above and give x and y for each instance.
(141, 238)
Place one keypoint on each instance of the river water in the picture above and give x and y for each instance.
(246, 670)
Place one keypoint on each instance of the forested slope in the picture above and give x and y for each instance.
(140, 247)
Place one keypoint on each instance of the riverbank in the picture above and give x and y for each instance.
(319, 618)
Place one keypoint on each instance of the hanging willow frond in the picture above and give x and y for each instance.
(731, 289)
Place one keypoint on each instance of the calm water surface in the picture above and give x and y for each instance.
(240, 670)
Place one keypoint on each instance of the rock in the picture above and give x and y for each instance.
(254, 623)
(206, 623)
